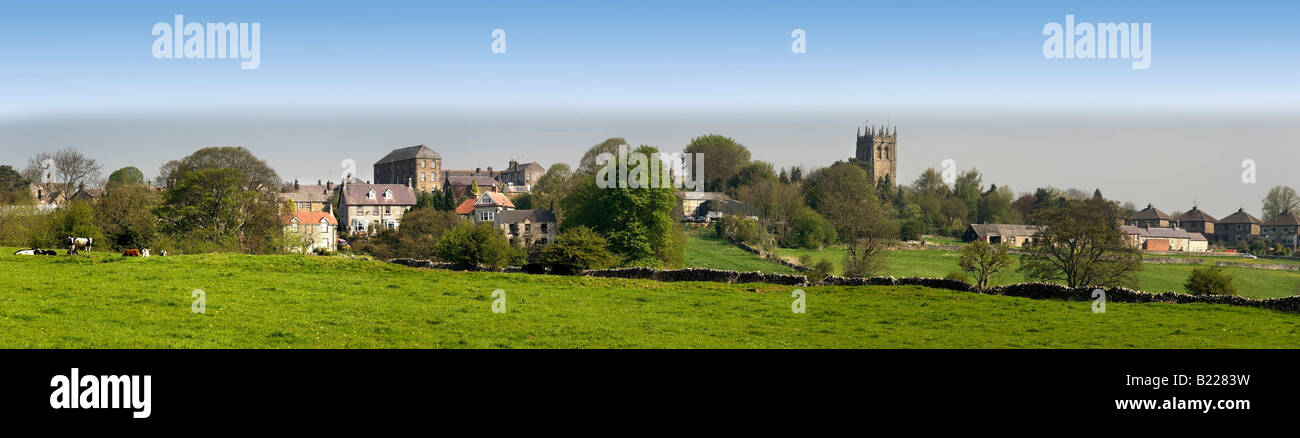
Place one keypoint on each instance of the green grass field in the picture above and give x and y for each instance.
(107, 301)
(706, 250)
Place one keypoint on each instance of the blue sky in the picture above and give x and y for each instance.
(92, 56)
(962, 80)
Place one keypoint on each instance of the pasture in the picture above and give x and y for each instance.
(294, 301)
(706, 250)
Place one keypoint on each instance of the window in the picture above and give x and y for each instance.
(421, 176)
(544, 231)
(422, 166)
(387, 210)
(324, 225)
(388, 194)
(528, 228)
(294, 226)
(370, 194)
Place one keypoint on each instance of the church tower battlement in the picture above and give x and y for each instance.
(878, 147)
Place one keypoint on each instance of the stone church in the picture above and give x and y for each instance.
(878, 148)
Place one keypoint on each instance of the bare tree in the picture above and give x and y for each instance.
(1280, 199)
(71, 169)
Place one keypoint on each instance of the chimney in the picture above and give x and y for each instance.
(477, 170)
(296, 187)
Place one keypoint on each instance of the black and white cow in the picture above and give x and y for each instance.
(35, 251)
(75, 244)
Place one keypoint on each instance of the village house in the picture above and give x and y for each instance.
(417, 166)
(461, 186)
(693, 201)
(48, 194)
(527, 227)
(1006, 234)
(1164, 239)
(319, 230)
(522, 175)
(87, 195)
(1283, 229)
(487, 205)
(1198, 222)
(1150, 217)
(366, 207)
(309, 197)
(1237, 227)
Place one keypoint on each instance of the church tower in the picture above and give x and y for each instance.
(878, 148)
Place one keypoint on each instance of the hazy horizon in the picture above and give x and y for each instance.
(966, 81)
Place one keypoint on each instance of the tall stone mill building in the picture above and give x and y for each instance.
(878, 147)
(416, 166)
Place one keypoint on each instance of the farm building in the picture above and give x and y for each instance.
(1011, 235)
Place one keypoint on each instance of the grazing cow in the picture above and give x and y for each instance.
(35, 251)
(163, 253)
(75, 244)
(144, 253)
(131, 253)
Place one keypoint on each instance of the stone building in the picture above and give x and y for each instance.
(527, 227)
(1197, 221)
(1237, 227)
(363, 207)
(1283, 229)
(417, 166)
(1150, 217)
(525, 174)
(319, 230)
(878, 147)
(307, 197)
(1164, 239)
(1006, 234)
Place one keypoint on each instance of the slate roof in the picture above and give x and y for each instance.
(1285, 219)
(482, 180)
(355, 194)
(306, 193)
(704, 196)
(1161, 233)
(518, 216)
(1150, 213)
(1240, 217)
(1004, 229)
(408, 153)
(1196, 215)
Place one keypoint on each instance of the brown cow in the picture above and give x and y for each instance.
(131, 253)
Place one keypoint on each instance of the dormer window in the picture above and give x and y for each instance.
(324, 225)
(388, 194)
(294, 225)
(370, 194)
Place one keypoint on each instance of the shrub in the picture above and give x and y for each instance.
(820, 270)
(984, 260)
(76, 219)
(911, 229)
(1210, 280)
(958, 276)
(477, 245)
(575, 250)
(809, 230)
